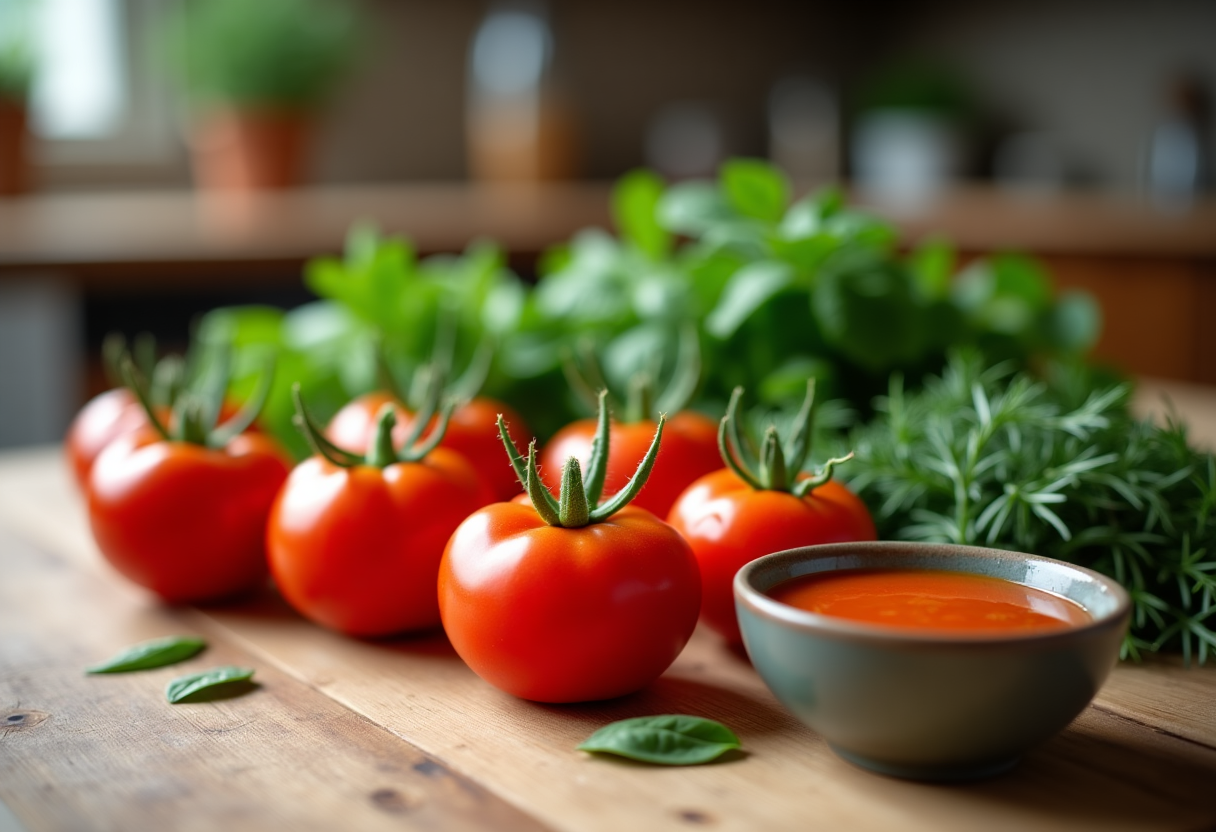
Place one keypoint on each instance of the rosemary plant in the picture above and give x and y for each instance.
(987, 457)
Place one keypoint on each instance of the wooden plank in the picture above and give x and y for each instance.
(108, 752)
(1142, 759)
(1094, 775)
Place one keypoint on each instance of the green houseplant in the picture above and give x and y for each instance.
(255, 75)
(16, 78)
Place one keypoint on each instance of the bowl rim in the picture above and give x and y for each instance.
(766, 605)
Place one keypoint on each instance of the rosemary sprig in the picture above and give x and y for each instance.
(988, 457)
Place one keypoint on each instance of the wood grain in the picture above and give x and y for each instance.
(310, 745)
(108, 752)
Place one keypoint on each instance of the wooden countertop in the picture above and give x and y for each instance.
(350, 734)
(114, 235)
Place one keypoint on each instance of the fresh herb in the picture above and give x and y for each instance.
(988, 456)
(208, 683)
(17, 60)
(148, 654)
(670, 740)
(284, 53)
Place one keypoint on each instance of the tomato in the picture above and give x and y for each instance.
(184, 520)
(107, 416)
(690, 449)
(567, 615)
(357, 549)
(103, 419)
(570, 600)
(729, 524)
(471, 432)
(355, 422)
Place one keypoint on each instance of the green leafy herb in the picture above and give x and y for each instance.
(990, 457)
(670, 739)
(148, 654)
(206, 683)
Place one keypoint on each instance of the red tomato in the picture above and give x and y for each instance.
(354, 425)
(110, 415)
(567, 615)
(472, 432)
(357, 549)
(103, 419)
(185, 521)
(690, 449)
(729, 524)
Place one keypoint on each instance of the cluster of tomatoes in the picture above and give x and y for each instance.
(406, 521)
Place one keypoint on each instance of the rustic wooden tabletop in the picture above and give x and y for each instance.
(399, 734)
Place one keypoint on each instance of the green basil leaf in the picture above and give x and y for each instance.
(669, 739)
(745, 292)
(756, 188)
(635, 201)
(185, 687)
(148, 654)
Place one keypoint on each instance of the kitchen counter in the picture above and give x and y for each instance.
(390, 734)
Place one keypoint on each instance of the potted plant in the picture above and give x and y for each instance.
(255, 75)
(16, 75)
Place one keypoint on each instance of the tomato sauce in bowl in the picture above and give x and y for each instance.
(931, 600)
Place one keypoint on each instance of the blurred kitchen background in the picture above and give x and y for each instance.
(1074, 130)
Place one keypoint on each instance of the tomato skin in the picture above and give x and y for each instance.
(112, 414)
(354, 425)
(357, 549)
(103, 419)
(729, 524)
(184, 521)
(472, 432)
(567, 615)
(689, 450)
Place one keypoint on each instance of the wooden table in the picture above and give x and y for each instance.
(347, 734)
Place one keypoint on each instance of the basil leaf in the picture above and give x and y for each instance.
(188, 686)
(746, 291)
(635, 201)
(669, 739)
(148, 654)
(756, 188)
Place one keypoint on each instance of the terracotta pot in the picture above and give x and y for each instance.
(250, 150)
(13, 166)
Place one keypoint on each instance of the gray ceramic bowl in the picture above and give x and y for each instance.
(928, 706)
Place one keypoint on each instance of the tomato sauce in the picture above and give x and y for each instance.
(931, 600)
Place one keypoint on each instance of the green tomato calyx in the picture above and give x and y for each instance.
(776, 466)
(381, 452)
(195, 396)
(579, 501)
(643, 397)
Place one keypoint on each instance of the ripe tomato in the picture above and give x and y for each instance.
(103, 419)
(690, 449)
(354, 424)
(112, 414)
(728, 524)
(567, 614)
(186, 521)
(357, 549)
(472, 433)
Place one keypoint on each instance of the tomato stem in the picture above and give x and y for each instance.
(249, 412)
(575, 508)
(778, 463)
(572, 505)
(643, 399)
(542, 500)
(597, 463)
(316, 437)
(631, 489)
(130, 377)
(381, 452)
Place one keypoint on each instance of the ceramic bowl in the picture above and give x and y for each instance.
(924, 705)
